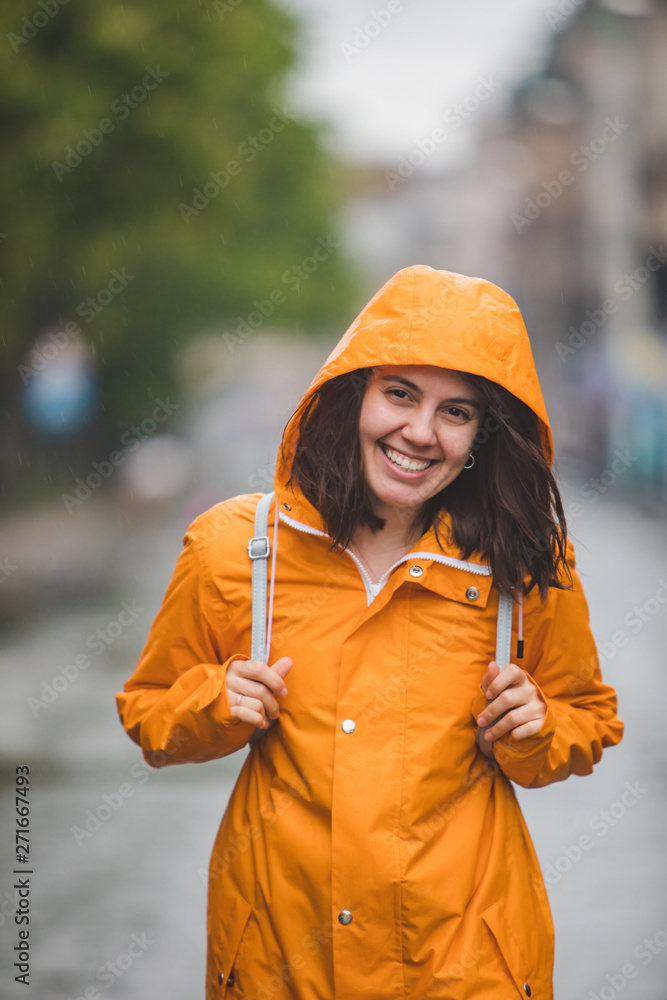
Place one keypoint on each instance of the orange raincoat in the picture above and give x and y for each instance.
(398, 819)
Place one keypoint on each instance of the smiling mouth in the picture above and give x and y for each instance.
(405, 463)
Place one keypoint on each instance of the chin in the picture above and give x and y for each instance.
(409, 500)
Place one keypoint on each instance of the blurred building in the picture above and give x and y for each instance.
(589, 250)
(565, 205)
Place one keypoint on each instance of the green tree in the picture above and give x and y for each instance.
(149, 163)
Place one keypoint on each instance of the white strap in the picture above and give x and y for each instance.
(259, 549)
(503, 641)
(504, 630)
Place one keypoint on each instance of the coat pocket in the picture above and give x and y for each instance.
(229, 932)
(530, 979)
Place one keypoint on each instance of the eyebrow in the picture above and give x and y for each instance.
(411, 385)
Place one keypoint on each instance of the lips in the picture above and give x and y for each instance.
(404, 462)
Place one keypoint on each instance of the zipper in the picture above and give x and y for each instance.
(373, 589)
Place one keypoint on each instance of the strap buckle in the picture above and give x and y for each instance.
(259, 547)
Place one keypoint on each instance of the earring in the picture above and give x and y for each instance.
(470, 462)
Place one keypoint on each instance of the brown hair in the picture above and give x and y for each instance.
(507, 508)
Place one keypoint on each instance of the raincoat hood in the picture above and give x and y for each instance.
(423, 316)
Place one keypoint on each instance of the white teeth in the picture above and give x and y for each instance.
(405, 463)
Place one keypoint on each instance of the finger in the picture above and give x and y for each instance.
(244, 713)
(510, 675)
(513, 719)
(261, 672)
(282, 666)
(511, 697)
(484, 746)
(528, 729)
(259, 693)
(491, 673)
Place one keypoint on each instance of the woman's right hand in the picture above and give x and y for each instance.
(253, 689)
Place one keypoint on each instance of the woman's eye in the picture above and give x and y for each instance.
(398, 393)
(456, 411)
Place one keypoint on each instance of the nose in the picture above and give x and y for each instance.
(419, 430)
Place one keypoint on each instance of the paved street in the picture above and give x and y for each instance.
(135, 881)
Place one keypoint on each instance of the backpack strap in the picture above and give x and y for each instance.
(259, 550)
(503, 639)
(504, 630)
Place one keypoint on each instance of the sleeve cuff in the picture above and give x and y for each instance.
(213, 696)
(523, 759)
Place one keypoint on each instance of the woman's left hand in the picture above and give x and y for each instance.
(511, 694)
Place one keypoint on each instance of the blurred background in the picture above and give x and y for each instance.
(195, 202)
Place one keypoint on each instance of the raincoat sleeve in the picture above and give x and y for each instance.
(562, 663)
(175, 704)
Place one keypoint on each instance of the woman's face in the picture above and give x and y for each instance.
(416, 430)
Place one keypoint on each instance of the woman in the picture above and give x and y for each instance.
(373, 845)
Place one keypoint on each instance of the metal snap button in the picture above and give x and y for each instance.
(286, 506)
(348, 725)
(416, 571)
(345, 917)
(472, 593)
(527, 990)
